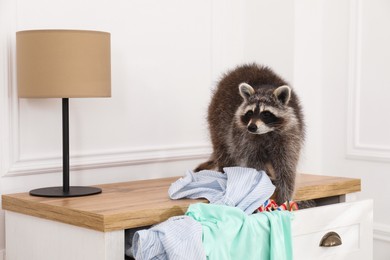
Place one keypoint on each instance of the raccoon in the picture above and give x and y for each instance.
(255, 120)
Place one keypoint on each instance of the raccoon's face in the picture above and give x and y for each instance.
(263, 111)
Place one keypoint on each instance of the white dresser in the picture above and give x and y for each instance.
(93, 227)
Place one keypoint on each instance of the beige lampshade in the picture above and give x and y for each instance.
(63, 64)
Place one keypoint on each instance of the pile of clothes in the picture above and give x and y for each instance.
(240, 222)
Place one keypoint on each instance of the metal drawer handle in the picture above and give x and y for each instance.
(330, 239)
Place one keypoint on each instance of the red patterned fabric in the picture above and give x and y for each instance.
(270, 205)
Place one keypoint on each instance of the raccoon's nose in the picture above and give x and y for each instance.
(252, 128)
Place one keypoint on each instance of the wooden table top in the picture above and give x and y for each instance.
(141, 203)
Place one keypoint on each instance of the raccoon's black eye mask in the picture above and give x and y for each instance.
(247, 117)
(268, 118)
(249, 113)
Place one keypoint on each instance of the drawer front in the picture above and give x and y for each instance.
(351, 221)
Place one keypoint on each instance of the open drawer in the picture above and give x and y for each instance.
(351, 221)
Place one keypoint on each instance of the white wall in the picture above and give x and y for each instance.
(356, 66)
(166, 58)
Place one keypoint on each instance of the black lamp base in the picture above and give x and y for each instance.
(74, 191)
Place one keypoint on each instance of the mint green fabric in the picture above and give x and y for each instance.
(228, 233)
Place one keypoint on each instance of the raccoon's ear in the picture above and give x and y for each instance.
(246, 90)
(283, 94)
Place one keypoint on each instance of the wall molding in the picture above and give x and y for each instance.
(115, 158)
(355, 148)
(8, 100)
(12, 162)
(382, 232)
(13, 165)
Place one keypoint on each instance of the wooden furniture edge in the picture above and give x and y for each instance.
(337, 188)
(141, 219)
(57, 213)
(333, 186)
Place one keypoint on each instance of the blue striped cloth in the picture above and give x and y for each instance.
(178, 238)
(244, 188)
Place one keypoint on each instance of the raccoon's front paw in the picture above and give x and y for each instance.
(281, 197)
(283, 192)
(209, 165)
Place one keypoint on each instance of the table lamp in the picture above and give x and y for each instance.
(63, 64)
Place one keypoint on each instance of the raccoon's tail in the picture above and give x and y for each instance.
(209, 165)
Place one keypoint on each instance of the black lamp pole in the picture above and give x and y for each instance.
(65, 190)
(65, 145)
